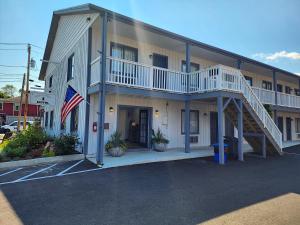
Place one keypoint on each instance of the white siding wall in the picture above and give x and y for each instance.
(78, 83)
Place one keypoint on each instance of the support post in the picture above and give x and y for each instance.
(240, 132)
(276, 100)
(238, 64)
(188, 64)
(101, 113)
(87, 104)
(187, 125)
(221, 130)
(264, 149)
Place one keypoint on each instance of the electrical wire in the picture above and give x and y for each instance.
(12, 66)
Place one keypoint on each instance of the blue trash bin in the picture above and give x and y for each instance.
(216, 151)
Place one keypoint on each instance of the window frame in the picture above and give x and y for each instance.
(183, 119)
(2, 105)
(46, 118)
(297, 125)
(124, 47)
(73, 121)
(15, 105)
(279, 86)
(267, 84)
(70, 67)
(50, 81)
(183, 62)
(288, 90)
(51, 118)
(250, 79)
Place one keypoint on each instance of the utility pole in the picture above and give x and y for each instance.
(21, 103)
(27, 86)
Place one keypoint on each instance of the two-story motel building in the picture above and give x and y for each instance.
(137, 77)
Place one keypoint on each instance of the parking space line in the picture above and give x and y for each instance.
(51, 176)
(15, 170)
(39, 171)
(291, 153)
(66, 170)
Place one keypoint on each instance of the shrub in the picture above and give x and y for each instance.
(15, 152)
(65, 144)
(115, 141)
(159, 137)
(48, 153)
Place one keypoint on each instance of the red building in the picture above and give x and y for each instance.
(9, 110)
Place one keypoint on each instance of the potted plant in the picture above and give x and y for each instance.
(116, 147)
(159, 141)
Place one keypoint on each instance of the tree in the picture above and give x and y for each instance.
(9, 90)
(3, 95)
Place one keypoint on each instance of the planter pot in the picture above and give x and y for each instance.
(160, 147)
(116, 152)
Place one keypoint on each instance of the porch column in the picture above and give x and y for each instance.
(240, 132)
(187, 126)
(88, 83)
(221, 129)
(264, 147)
(276, 101)
(101, 113)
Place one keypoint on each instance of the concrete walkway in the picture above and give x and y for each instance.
(150, 156)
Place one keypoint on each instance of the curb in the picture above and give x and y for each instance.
(32, 162)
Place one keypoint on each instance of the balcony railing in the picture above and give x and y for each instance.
(132, 74)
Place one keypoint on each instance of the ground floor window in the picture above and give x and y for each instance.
(46, 119)
(51, 118)
(74, 119)
(194, 122)
(298, 125)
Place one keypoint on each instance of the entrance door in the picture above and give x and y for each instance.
(159, 76)
(144, 127)
(213, 127)
(280, 124)
(288, 129)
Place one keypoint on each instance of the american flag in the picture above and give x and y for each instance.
(72, 99)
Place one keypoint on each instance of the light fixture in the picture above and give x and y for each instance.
(156, 113)
(111, 109)
(205, 114)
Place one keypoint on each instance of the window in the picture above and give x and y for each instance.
(249, 80)
(50, 81)
(51, 118)
(297, 123)
(123, 52)
(46, 119)
(267, 85)
(279, 88)
(1, 105)
(297, 92)
(70, 72)
(63, 125)
(288, 90)
(17, 106)
(194, 122)
(74, 119)
(194, 66)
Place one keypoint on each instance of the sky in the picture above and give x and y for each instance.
(267, 31)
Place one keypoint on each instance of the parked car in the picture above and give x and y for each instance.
(14, 125)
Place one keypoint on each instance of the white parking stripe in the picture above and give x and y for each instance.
(51, 176)
(66, 170)
(41, 170)
(291, 153)
(10, 172)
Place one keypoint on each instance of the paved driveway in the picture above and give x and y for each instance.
(178, 192)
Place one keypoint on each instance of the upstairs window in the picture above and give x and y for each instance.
(194, 66)
(50, 81)
(194, 122)
(297, 92)
(249, 80)
(1, 105)
(70, 72)
(288, 90)
(279, 88)
(123, 52)
(297, 123)
(267, 85)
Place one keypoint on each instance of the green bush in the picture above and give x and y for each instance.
(65, 144)
(48, 153)
(116, 141)
(19, 152)
(31, 138)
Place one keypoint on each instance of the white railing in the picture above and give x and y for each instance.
(128, 73)
(288, 100)
(265, 96)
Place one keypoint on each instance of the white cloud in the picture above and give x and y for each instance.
(277, 55)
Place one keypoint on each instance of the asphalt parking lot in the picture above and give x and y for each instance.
(177, 192)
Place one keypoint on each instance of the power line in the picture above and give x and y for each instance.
(12, 49)
(11, 43)
(11, 74)
(12, 66)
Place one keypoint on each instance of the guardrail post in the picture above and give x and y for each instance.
(276, 97)
(188, 65)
